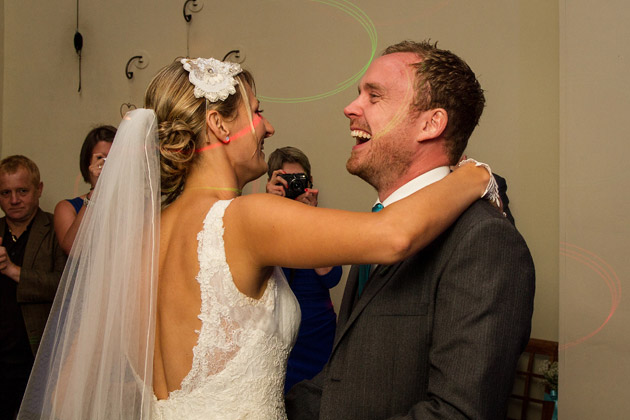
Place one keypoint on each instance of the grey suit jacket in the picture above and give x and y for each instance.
(41, 271)
(436, 336)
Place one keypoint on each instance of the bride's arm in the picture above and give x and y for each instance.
(272, 231)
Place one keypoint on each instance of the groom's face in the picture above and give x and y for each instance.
(382, 120)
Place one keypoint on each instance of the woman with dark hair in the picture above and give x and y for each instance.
(175, 308)
(69, 213)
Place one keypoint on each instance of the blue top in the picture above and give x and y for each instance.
(77, 203)
(317, 329)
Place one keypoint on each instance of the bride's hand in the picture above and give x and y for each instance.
(491, 192)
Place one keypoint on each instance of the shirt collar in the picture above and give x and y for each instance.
(417, 184)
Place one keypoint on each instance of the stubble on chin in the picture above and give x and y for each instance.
(381, 170)
(352, 165)
(363, 170)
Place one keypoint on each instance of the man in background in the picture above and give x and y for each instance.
(31, 263)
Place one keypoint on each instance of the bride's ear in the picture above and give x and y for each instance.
(216, 125)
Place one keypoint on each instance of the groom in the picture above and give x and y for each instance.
(438, 335)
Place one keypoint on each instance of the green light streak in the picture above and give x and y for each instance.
(365, 21)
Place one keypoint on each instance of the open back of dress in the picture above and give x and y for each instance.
(239, 362)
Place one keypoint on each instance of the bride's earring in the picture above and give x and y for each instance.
(226, 141)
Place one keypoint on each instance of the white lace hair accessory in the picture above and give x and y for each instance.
(213, 79)
(492, 190)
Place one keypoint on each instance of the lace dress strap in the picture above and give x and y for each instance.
(225, 311)
(239, 361)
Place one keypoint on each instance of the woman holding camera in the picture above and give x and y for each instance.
(289, 172)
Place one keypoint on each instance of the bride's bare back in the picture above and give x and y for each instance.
(179, 298)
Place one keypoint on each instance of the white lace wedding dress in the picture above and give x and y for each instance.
(239, 362)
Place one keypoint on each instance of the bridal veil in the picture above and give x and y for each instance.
(95, 359)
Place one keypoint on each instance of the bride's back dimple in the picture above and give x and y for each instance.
(239, 361)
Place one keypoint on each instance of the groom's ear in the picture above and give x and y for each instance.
(432, 124)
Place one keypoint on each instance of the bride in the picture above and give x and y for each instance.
(171, 308)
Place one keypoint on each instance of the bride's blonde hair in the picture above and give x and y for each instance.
(182, 122)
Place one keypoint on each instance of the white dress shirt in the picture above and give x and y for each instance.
(416, 184)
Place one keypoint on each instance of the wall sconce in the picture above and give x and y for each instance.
(141, 61)
(126, 107)
(194, 7)
(236, 55)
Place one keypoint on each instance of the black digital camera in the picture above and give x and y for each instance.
(297, 183)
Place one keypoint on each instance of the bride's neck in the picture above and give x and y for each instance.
(214, 174)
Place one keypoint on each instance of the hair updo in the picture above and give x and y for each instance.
(182, 122)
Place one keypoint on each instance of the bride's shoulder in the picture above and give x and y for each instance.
(254, 207)
(259, 201)
(186, 215)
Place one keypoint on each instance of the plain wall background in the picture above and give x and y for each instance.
(594, 228)
(295, 49)
(301, 48)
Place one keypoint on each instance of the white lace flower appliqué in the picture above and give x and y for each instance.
(213, 79)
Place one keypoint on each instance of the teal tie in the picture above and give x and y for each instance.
(364, 270)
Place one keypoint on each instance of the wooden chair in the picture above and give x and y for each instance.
(527, 375)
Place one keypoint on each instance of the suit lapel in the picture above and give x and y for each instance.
(382, 270)
(35, 238)
(349, 296)
(351, 306)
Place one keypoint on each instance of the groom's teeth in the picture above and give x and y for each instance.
(360, 134)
